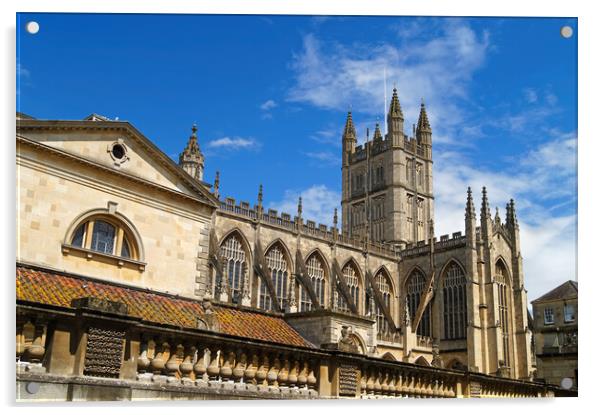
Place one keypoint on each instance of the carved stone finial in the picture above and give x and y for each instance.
(300, 207)
(216, 184)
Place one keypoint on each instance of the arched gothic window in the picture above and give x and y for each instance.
(353, 284)
(501, 280)
(382, 283)
(315, 270)
(454, 302)
(235, 265)
(278, 271)
(415, 287)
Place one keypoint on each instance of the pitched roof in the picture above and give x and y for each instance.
(56, 289)
(564, 291)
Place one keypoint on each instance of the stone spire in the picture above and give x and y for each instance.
(191, 159)
(497, 219)
(335, 219)
(470, 210)
(395, 121)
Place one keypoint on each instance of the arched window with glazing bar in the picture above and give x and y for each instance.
(454, 302)
(316, 273)
(234, 261)
(415, 286)
(278, 272)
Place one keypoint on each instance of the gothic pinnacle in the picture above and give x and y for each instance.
(377, 134)
(349, 131)
(260, 195)
(470, 210)
(485, 212)
(300, 207)
(335, 219)
(423, 120)
(395, 106)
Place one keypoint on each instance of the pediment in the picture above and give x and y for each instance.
(96, 141)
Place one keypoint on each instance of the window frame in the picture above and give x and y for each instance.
(546, 314)
(122, 232)
(572, 307)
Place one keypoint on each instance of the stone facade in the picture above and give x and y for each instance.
(98, 199)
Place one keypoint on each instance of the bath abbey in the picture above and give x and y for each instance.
(136, 279)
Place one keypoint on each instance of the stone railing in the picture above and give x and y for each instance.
(120, 357)
(236, 366)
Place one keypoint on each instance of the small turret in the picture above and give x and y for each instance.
(395, 121)
(191, 159)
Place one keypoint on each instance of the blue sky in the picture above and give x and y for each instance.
(270, 95)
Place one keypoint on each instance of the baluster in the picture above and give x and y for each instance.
(143, 363)
(239, 370)
(273, 375)
(293, 376)
(283, 374)
(251, 371)
(214, 368)
(186, 367)
(200, 367)
(363, 381)
(226, 370)
(262, 373)
(311, 379)
(172, 365)
(398, 384)
(302, 378)
(158, 362)
(370, 383)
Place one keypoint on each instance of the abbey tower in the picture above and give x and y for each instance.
(387, 184)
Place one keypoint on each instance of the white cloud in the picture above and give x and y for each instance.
(319, 203)
(333, 76)
(530, 95)
(268, 105)
(234, 143)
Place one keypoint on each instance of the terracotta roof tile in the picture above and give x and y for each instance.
(52, 288)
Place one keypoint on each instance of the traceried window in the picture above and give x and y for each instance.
(454, 302)
(415, 287)
(548, 315)
(235, 265)
(105, 235)
(501, 283)
(353, 285)
(315, 270)
(382, 283)
(278, 271)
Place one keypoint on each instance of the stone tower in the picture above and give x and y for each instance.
(387, 184)
(191, 159)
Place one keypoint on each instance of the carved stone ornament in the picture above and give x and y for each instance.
(346, 343)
